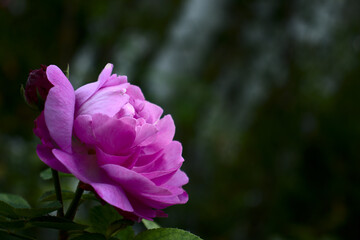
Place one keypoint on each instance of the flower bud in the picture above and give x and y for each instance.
(37, 88)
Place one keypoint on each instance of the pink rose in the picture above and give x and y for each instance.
(108, 136)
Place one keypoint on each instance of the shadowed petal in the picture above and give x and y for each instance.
(132, 181)
(83, 129)
(85, 168)
(45, 154)
(113, 195)
(127, 161)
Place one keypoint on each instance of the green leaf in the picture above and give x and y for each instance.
(7, 211)
(9, 203)
(14, 200)
(11, 224)
(117, 226)
(165, 234)
(13, 236)
(101, 218)
(36, 212)
(51, 195)
(47, 174)
(56, 223)
(124, 234)
(90, 236)
(150, 224)
(89, 196)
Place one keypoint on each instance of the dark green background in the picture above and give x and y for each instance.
(264, 93)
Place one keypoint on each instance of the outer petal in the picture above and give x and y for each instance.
(137, 185)
(169, 160)
(42, 132)
(165, 134)
(85, 92)
(135, 92)
(114, 136)
(132, 181)
(150, 112)
(85, 168)
(178, 179)
(141, 210)
(45, 154)
(59, 108)
(115, 80)
(113, 195)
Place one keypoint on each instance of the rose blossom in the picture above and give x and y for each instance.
(108, 136)
(37, 87)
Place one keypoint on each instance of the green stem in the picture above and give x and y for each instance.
(55, 174)
(70, 214)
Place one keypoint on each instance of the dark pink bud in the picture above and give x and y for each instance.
(37, 87)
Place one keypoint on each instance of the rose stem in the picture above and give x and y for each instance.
(70, 214)
(55, 174)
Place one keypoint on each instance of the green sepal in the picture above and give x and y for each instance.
(150, 224)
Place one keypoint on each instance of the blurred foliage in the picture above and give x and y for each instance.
(263, 93)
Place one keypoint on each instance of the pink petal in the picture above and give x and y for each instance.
(58, 78)
(137, 185)
(178, 179)
(127, 161)
(45, 154)
(135, 92)
(59, 108)
(141, 210)
(83, 129)
(146, 159)
(85, 92)
(165, 134)
(160, 177)
(115, 80)
(114, 136)
(41, 131)
(113, 195)
(150, 112)
(143, 133)
(107, 101)
(132, 181)
(171, 158)
(85, 168)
